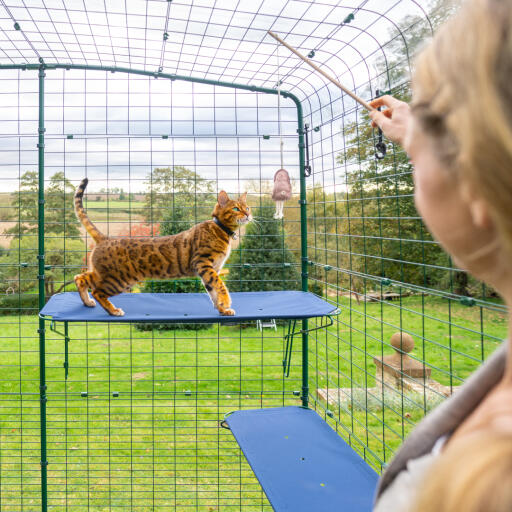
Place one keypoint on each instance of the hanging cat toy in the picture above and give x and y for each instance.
(282, 186)
(282, 175)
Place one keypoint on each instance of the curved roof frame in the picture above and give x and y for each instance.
(233, 45)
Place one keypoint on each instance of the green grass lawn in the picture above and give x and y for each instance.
(136, 424)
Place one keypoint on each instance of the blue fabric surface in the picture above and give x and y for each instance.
(301, 463)
(189, 307)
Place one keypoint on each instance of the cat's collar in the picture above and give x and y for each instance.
(224, 228)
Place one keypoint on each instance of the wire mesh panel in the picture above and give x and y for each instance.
(136, 426)
(132, 412)
(19, 360)
(370, 254)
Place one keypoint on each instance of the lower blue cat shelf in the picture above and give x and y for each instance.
(302, 464)
(190, 307)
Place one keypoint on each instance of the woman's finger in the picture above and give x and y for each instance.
(380, 119)
(374, 124)
(385, 101)
(393, 120)
(388, 112)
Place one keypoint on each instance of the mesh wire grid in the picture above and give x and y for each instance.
(135, 426)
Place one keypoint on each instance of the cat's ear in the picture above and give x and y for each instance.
(243, 197)
(223, 198)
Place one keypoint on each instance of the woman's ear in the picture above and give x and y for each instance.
(480, 213)
(478, 208)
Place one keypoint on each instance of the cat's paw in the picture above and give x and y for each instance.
(228, 312)
(117, 312)
(90, 303)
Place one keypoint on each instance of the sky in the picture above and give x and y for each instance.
(117, 122)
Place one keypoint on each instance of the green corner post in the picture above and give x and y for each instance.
(303, 246)
(40, 277)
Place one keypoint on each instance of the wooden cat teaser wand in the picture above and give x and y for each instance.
(359, 100)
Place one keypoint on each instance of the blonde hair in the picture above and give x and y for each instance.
(463, 99)
(473, 474)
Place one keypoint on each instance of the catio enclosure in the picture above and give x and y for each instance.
(162, 104)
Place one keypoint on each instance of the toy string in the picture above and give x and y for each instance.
(279, 105)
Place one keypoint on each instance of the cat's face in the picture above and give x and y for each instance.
(232, 212)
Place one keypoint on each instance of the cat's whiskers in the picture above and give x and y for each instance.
(257, 223)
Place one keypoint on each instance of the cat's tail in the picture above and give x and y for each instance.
(82, 216)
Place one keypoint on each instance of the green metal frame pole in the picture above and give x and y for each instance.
(304, 250)
(40, 277)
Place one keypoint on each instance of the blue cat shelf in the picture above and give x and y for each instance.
(192, 308)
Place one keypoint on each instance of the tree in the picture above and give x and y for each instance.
(263, 260)
(385, 237)
(168, 188)
(25, 204)
(58, 209)
(63, 259)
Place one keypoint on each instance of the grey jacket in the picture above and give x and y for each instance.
(445, 418)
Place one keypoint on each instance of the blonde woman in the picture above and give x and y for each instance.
(458, 134)
(474, 474)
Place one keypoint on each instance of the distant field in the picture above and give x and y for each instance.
(113, 217)
(115, 210)
(113, 204)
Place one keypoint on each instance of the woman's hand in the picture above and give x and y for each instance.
(394, 120)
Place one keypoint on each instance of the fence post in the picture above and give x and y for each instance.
(40, 277)
(303, 247)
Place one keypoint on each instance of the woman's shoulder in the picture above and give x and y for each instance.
(451, 414)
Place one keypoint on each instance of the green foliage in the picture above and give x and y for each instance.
(19, 304)
(168, 188)
(176, 220)
(19, 265)
(263, 260)
(59, 209)
(382, 230)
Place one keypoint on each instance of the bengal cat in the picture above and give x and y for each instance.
(116, 264)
